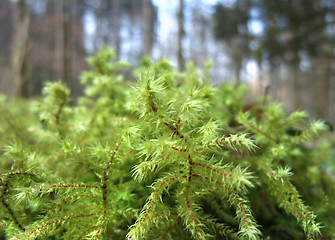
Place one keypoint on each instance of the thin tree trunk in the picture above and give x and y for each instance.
(237, 71)
(20, 45)
(260, 84)
(273, 86)
(98, 21)
(67, 42)
(181, 33)
(59, 40)
(147, 27)
(237, 53)
(116, 26)
(296, 86)
(322, 89)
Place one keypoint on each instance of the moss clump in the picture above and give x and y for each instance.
(168, 157)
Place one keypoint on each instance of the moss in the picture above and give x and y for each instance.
(168, 157)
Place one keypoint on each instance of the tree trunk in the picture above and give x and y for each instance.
(147, 27)
(273, 88)
(237, 70)
(20, 45)
(67, 42)
(116, 17)
(98, 15)
(59, 41)
(181, 33)
(322, 88)
(236, 46)
(296, 86)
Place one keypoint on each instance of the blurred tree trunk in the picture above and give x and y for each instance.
(98, 14)
(237, 50)
(199, 34)
(58, 51)
(181, 33)
(296, 85)
(116, 26)
(147, 27)
(20, 46)
(67, 42)
(274, 81)
(322, 88)
(262, 86)
(237, 64)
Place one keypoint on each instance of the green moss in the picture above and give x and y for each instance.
(168, 157)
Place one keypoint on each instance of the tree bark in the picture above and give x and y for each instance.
(181, 33)
(20, 47)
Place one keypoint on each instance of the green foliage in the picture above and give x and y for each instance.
(168, 157)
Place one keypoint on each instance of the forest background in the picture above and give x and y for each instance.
(282, 48)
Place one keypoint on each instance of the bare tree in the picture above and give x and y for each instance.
(20, 46)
